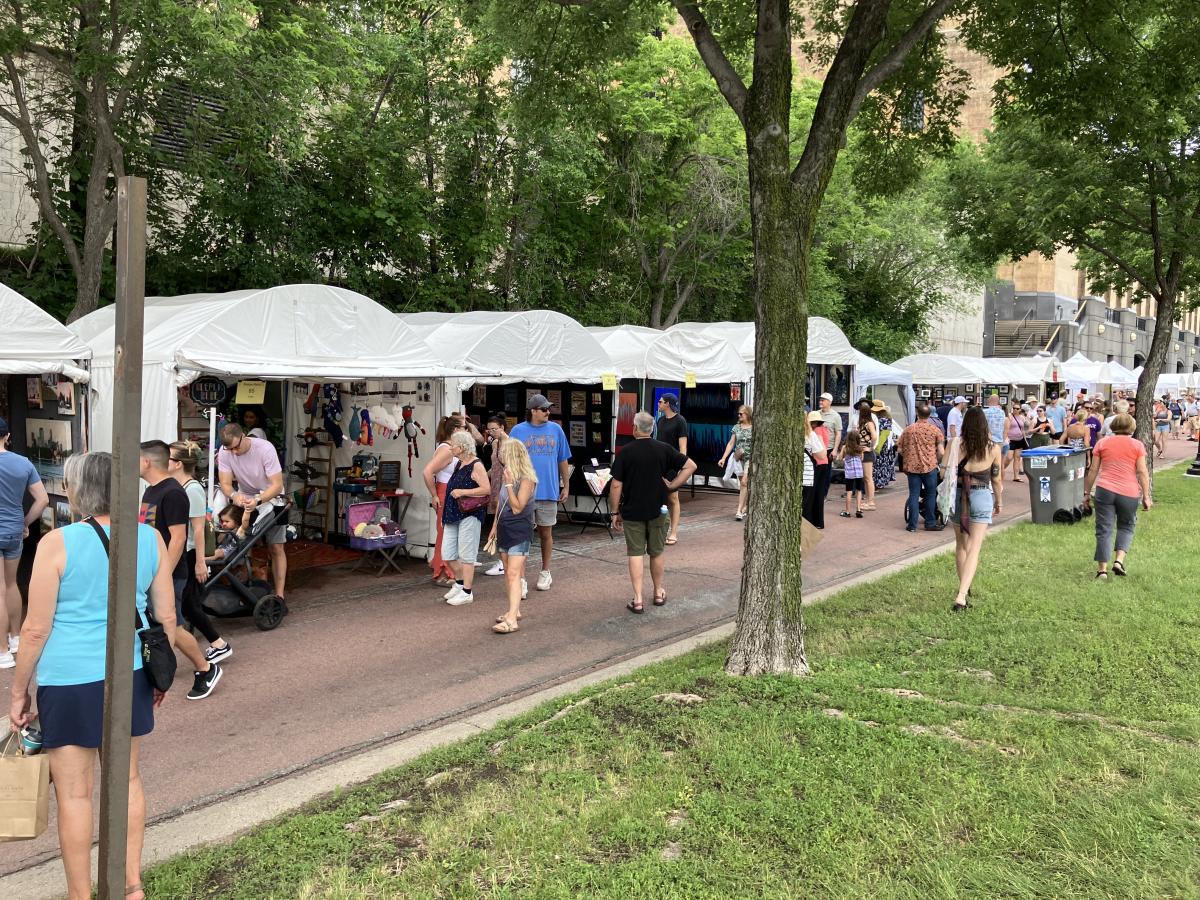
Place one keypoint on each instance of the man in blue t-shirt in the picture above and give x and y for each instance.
(1057, 416)
(549, 453)
(994, 413)
(17, 476)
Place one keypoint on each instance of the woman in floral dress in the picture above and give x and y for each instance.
(885, 459)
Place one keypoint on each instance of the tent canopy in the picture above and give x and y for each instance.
(35, 342)
(827, 345)
(290, 331)
(638, 352)
(536, 345)
(935, 368)
(1079, 370)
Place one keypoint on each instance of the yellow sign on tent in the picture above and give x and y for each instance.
(251, 391)
(689, 379)
(608, 381)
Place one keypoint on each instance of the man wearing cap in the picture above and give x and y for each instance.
(921, 445)
(672, 429)
(17, 477)
(954, 418)
(550, 454)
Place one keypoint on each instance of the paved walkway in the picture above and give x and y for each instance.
(362, 661)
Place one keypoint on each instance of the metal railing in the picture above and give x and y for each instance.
(1053, 339)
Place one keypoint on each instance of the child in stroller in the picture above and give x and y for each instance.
(231, 533)
(232, 589)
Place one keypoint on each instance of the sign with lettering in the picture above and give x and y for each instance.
(208, 391)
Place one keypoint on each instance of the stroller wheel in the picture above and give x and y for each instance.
(268, 612)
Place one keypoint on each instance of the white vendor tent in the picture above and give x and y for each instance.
(739, 335)
(299, 331)
(827, 345)
(536, 345)
(35, 343)
(1079, 372)
(1175, 384)
(935, 368)
(892, 385)
(649, 353)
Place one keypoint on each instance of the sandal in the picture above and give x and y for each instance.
(660, 598)
(133, 889)
(634, 607)
(505, 627)
(1119, 569)
(959, 607)
(672, 541)
(846, 515)
(442, 581)
(1103, 575)
(504, 618)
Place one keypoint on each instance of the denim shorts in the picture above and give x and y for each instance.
(460, 540)
(1162, 428)
(981, 505)
(521, 549)
(10, 547)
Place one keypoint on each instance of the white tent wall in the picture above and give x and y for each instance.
(891, 385)
(35, 343)
(160, 404)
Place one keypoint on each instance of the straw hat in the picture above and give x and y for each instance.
(878, 406)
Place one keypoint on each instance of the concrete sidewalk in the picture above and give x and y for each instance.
(367, 674)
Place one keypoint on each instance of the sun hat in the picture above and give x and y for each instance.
(878, 406)
(815, 416)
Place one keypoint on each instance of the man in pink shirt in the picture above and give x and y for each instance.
(254, 464)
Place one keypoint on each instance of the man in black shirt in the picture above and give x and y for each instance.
(165, 508)
(672, 430)
(639, 491)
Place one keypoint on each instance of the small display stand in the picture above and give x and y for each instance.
(598, 482)
(383, 549)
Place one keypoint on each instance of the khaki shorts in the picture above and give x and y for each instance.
(545, 513)
(643, 538)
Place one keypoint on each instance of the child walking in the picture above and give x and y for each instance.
(852, 455)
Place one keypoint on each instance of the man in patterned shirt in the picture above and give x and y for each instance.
(920, 446)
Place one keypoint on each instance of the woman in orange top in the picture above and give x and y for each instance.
(1119, 475)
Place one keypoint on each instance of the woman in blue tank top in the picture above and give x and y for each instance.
(64, 640)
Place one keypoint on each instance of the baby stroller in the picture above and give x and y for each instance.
(225, 595)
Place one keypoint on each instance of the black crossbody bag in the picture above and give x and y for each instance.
(158, 657)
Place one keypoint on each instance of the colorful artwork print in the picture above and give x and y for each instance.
(626, 409)
(49, 445)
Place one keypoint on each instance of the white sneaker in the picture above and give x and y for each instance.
(7, 661)
(454, 591)
(497, 569)
(461, 599)
(14, 643)
(545, 579)
(524, 588)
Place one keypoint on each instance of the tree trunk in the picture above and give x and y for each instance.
(769, 638)
(1164, 330)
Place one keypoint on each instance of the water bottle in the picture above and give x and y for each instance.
(663, 511)
(31, 740)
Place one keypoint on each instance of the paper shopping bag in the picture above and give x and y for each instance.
(810, 536)
(24, 792)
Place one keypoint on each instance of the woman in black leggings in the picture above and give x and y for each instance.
(184, 457)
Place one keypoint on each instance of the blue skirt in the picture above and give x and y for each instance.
(72, 715)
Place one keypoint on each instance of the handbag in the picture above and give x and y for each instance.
(158, 657)
(947, 490)
(24, 791)
(490, 546)
(469, 504)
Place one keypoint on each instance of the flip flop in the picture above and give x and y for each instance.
(634, 607)
(670, 542)
(660, 599)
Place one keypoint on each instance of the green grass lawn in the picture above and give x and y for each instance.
(1046, 743)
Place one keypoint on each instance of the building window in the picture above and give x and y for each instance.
(1113, 315)
(1143, 324)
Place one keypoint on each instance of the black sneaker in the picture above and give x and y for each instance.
(216, 654)
(205, 682)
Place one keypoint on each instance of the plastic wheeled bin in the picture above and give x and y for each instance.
(1056, 476)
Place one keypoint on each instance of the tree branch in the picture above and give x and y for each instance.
(894, 60)
(1120, 263)
(729, 82)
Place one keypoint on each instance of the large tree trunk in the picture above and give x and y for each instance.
(1164, 330)
(769, 638)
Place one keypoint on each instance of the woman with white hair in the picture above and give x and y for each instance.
(467, 494)
(64, 638)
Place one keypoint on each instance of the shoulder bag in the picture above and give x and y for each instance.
(158, 657)
(470, 504)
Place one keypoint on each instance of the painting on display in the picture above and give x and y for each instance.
(33, 392)
(576, 437)
(597, 398)
(597, 417)
(49, 446)
(626, 409)
(65, 392)
(578, 403)
(511, 398)
(837, 382)
(555, 398)
(735, 393)
(479, 395)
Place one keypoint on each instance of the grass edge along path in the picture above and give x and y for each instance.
(1045, 743)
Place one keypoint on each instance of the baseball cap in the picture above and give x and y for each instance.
(960, 399)
(538, 401)
(827, 396)
(3, 427)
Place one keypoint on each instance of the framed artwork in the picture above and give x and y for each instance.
(33, 392)
(555, 398)
(49, 444)
(511, 399)
(597, 398)
(735, 393)
(597, 438)
(837, 382)
(597, 417)
(626, 409)
(578, 403)
(65, 392)
(576, 437)
(479, 395)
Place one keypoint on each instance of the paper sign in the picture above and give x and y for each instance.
(1044, 485)
(608, 381)
(1070, 474)
(689, 379)
(1037, 462)
(251, 392)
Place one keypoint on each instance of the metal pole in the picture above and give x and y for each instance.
(211, 412)
(122, 574)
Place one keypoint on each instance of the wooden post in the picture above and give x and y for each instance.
(122, 573)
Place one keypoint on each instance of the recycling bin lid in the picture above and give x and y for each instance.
(1047, 451)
